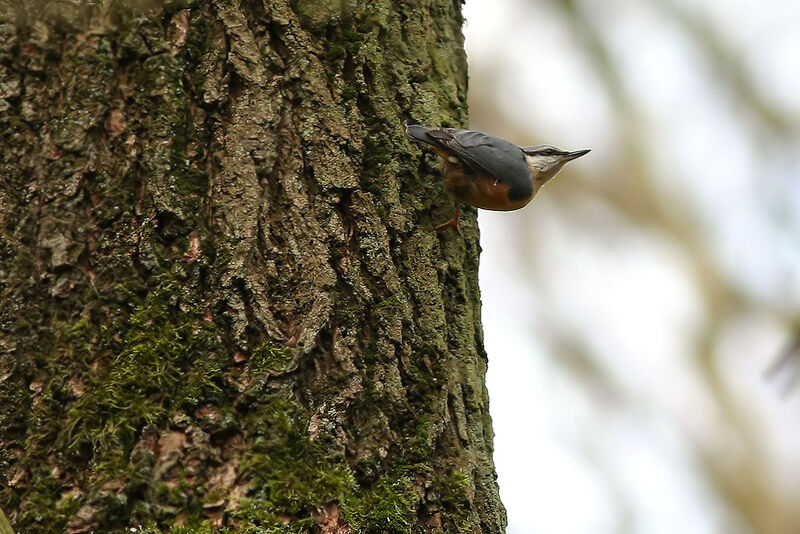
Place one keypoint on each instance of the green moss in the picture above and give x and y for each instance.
(335, 52)
(48, 503)
(349, 92)
(391, 506)
(453, 497)
(14, 408)
(391, 303)
(388, 507)
(376, 153)
(418, 450)
(342, 43)
(348, 313)
(371, 185)
(253, 517)
(163, 357)
(269, 359)
(181, 529)
(292, 474)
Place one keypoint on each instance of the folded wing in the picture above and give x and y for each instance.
(487, 154)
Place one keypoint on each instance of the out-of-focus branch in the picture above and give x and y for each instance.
(731, 69)
(635, 194)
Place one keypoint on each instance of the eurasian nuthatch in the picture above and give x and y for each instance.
(489, 172)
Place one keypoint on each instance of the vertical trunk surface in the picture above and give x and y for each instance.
(223, 304)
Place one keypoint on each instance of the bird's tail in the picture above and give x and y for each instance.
(419, 133)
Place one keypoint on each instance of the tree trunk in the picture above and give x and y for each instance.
(223, 303)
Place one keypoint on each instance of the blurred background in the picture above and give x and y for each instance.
(636, 311)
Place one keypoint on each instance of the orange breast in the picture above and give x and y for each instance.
(486, 193)
(475, 189)
(479, 190)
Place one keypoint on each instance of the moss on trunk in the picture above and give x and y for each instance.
(223, 302)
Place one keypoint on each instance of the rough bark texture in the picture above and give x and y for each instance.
(223, 303)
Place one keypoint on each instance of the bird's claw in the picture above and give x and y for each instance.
(452, 222)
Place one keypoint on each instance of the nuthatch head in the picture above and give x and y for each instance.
(544, 161)
(489, 172)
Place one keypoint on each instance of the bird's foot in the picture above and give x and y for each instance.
(452, 222)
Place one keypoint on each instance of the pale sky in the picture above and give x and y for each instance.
(615, 450)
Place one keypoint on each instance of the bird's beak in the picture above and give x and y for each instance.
(569, 156)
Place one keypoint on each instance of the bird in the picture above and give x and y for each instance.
(489, 172)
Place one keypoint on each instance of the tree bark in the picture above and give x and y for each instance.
(223, 303)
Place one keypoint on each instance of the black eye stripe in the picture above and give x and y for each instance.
(544, 152)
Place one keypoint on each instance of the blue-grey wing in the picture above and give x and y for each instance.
(501, 159)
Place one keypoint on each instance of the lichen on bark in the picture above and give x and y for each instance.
(224, 305)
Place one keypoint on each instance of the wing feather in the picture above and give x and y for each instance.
(492, 155)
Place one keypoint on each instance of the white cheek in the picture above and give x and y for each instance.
(552, 168)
